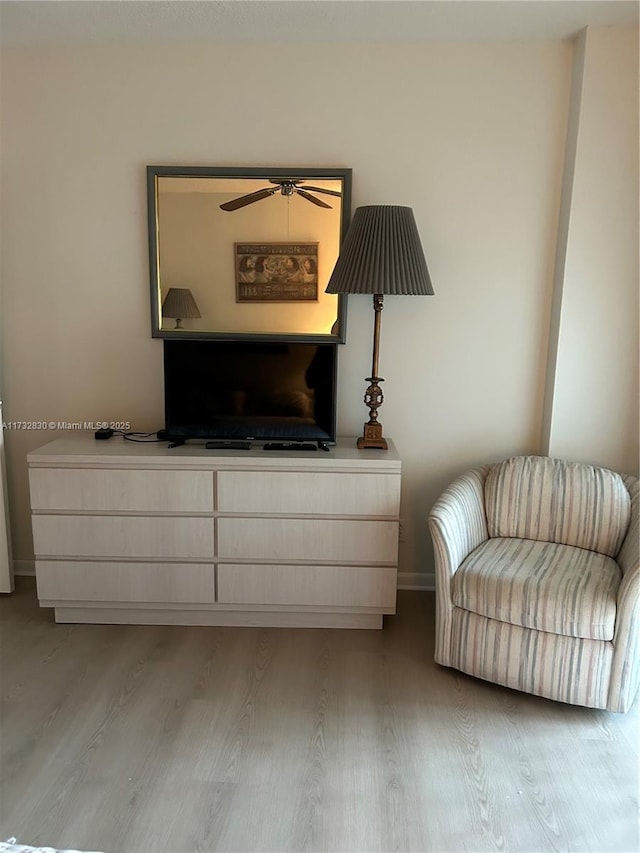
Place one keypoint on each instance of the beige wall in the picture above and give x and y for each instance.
(471, 135)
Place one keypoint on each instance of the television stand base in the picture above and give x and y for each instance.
(290, 445)
(228, 445)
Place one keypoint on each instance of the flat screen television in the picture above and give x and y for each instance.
(239, 390)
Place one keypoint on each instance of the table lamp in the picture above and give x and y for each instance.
(381, 254)
(180, 305)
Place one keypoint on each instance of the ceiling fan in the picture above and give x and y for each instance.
(284, 187)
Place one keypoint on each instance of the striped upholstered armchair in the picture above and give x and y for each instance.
(538, 579)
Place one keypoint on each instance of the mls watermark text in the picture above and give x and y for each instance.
(66, 425)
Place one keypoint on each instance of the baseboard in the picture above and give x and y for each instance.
(24, 567)
(416, 580)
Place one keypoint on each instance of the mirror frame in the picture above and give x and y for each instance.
(266, 173)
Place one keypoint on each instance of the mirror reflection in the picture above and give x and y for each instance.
(246, 253)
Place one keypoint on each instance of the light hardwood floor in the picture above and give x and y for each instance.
(142, 739)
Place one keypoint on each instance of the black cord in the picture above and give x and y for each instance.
(141, 437)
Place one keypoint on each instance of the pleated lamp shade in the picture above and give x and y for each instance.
(382, 253)
(180, 304)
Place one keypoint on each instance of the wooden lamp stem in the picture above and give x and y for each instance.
(373, 397)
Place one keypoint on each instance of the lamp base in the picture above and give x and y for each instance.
(373, 397)
(372, 437)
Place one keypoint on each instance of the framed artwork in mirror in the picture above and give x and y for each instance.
(253, 247)
(277, 272)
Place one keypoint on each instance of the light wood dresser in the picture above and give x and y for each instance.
(129, 532)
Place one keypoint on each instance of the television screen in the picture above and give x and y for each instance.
(237, 390)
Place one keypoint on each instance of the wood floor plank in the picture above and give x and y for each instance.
(161, 739)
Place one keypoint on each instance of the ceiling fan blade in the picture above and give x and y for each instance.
(244, 200)
(320, 190)
(312, 198)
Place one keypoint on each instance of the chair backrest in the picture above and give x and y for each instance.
(552, 500)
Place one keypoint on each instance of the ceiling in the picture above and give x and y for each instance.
(33, 22)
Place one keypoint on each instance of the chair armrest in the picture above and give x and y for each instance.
(458, 522)
(628, 555)
(625, 671)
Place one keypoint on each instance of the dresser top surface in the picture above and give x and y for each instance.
(86, 450)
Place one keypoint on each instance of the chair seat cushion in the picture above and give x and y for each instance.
(542, 585)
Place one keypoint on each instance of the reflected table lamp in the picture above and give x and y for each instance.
(381, 254)
(180, 305)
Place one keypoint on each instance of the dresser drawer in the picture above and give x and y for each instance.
(291, 492)
(167, 583)
(119, 490)
(335, 586)
(316, 540)
(119, 536)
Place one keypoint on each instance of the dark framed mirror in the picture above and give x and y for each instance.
(246, 253)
